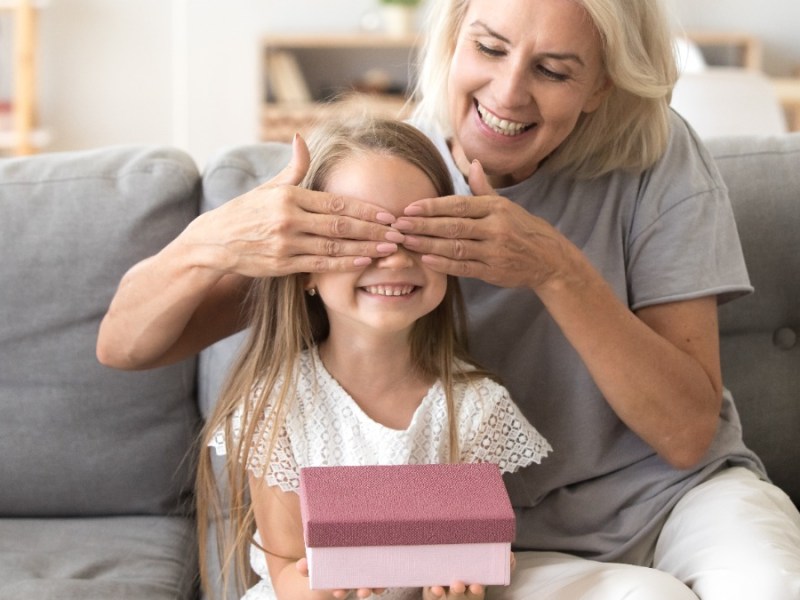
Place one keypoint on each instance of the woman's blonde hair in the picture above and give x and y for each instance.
(629, 130)
(284, 321)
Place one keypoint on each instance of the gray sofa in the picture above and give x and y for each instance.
(96, 468)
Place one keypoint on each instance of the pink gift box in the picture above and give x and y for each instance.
(406, 525)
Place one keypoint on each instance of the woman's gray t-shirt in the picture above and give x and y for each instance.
(663, 235)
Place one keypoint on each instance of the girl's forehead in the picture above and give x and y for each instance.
(387, 181)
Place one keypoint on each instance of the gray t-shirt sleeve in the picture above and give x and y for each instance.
(683, 241)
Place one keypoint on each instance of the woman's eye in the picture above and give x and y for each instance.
(483, 49)
(550, 74)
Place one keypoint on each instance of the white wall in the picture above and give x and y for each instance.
(186, 72)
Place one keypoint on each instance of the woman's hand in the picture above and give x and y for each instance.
(278, 228)
(486, 237)
(173, 304)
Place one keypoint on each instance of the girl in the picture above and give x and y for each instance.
(352, 368)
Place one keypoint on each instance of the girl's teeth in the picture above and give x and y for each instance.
(390, 290)
(501, 126)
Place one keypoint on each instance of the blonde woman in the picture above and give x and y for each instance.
(353, 368)
(592, 258)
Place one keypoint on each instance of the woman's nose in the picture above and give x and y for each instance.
(401, 259)
(511, 86)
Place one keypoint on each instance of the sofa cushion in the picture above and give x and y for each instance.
(759, 345)
(77, 438)
(119, 558)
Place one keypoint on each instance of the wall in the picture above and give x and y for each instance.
(186, 72)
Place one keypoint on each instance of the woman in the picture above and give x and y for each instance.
(591, 276)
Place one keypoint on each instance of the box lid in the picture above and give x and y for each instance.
(383, 505)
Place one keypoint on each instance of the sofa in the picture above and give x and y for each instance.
(97, 464)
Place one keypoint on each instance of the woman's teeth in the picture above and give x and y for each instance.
(389, 290)
(501, 126)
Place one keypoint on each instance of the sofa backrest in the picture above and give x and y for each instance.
(759, 345)
(77, 438)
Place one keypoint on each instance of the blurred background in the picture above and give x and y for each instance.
(206, 74)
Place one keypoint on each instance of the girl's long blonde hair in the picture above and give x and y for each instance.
(630, 130)
(284, 321)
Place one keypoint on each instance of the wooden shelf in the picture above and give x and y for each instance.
(744, 50)
(788, 91)
(23, 137)
(355, 41)
(302, 73)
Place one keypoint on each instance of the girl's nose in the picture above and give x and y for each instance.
(401, 259)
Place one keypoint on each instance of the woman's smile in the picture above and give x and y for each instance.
(519, 81)
(501, 125)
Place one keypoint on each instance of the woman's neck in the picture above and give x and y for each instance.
(378, 374)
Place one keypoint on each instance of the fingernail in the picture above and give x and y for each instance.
(411, 242)
(395, 236)
(386, 248)
(362, 261)
(402, 224)
(413, 211)
(385, 217)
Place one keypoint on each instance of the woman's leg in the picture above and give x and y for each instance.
(556, 576)
(734, 537)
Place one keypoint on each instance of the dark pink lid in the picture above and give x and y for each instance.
(405, 505)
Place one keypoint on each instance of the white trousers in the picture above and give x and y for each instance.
(733, 537)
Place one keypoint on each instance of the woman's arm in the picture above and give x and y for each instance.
(659, 369)
(190, 294)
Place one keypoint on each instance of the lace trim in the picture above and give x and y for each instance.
(325, 426)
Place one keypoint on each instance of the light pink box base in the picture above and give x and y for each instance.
(351, 567)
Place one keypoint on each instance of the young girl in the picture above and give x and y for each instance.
(350, 368)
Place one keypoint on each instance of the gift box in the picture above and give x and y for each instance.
(406, 525)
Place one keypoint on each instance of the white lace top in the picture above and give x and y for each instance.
(325, 426)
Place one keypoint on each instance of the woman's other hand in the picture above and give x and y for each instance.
(487, 237)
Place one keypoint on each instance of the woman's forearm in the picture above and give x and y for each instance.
(659, 370)
(168, 307)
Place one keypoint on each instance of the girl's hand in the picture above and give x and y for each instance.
(487, 237)
(278, 228)
(459, 590)
(302, 567)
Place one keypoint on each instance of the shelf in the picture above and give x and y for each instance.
(280, 121)
(303, 73)
(23, 137)
(342, 41)
(788, 91)
(740, 49)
